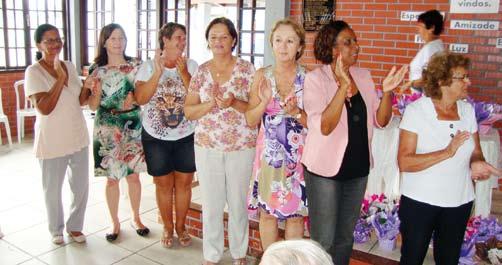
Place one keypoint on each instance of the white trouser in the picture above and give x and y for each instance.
(224, 178)
(53, 175)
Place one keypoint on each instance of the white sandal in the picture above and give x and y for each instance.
(58, 239)
(79, 239)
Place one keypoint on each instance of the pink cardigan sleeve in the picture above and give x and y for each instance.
(313, 100)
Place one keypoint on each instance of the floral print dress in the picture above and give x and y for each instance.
(224, 129)
(117, 136)
(277, 184)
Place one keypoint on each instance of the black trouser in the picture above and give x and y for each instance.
(419, 220)
(334, 206)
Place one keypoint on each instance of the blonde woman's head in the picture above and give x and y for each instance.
(296, 252)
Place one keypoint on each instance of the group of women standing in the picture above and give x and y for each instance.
(308, 133)
(124, 142)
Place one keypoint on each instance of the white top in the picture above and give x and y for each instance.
(163, 116)
(423, 56)
(448, 183)
(64, 130)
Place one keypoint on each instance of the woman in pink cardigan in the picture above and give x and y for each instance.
(342, 107)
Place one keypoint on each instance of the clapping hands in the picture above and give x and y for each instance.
(457, 141)
(158, 61)
(218, 98)
(480, 170)
(58, 67)
(265, 90)
(394, 78)
(181, 65)
(343, 79)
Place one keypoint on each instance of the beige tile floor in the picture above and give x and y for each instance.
(24, 224)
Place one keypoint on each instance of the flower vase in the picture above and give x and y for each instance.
(387, 245)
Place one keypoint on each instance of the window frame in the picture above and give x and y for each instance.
(253, 31)
(84, 55)
(28, 39)
(164, 18)
(140, 12)
(240, 9)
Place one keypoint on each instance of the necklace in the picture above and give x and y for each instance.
(220, 72)
(284, 85)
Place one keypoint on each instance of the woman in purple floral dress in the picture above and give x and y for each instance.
(277, 185)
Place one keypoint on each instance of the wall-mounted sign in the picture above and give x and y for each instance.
(474, 6)
(418, 39)
(317, 13)
(499, 43)
(459, 48)
(474, 24)
(413, 15)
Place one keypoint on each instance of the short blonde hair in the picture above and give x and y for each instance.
(296, 252)
(300, 32)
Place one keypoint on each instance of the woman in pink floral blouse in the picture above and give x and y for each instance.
(224, 144)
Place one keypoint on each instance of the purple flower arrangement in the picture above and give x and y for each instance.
(386, 225)
(400, 101)
(380, 214)
(482, 241)
(486, 114)
(362, 231)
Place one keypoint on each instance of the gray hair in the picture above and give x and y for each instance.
(296, 252)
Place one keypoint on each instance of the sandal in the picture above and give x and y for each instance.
(140, 231)
(242, 261)
(110, 237)
(77, 236)
(184, 239)
(166, 240)
(57, 239)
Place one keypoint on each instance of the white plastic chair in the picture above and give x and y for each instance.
(22, 110)
(5, 121)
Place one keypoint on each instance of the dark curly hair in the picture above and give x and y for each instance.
(230, 27)
(326, 40)
(439, 72)
(168, 30)
(432, 18)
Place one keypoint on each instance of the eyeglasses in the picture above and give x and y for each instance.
(349, 42)
(53, 41)
(463, 77)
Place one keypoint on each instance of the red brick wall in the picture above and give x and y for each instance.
(386, 41)
(194, 226)
(7, 80)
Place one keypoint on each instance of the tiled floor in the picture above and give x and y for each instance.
(24, 224)
(27, 241)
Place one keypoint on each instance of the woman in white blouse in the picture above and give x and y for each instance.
(439, 157)
(429, 26)
(61, 138)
